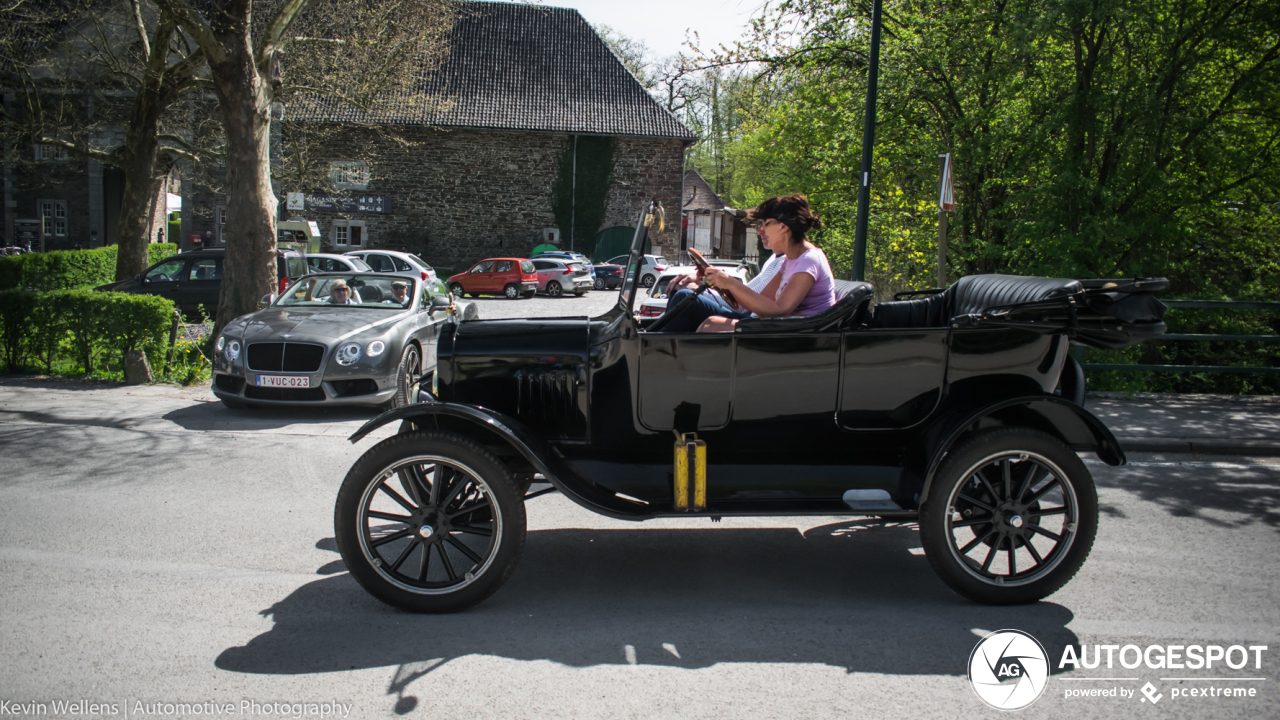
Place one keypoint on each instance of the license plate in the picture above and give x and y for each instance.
(284, 381)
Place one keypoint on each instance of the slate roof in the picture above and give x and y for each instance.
(523, 67)
(698, 194)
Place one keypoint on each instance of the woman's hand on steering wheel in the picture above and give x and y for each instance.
(717, 278)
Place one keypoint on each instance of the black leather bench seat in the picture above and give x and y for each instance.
(852, 298)
(970, 294)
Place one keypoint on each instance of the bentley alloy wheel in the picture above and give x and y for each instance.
(1010, 516)
(429, 522)
(408, 376)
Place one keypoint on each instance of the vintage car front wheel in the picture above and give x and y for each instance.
(429, 522)
(1010, 516)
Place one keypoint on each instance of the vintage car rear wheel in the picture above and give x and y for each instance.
(512, 291)
(429, 521)
(1010, 516)
(408, 376)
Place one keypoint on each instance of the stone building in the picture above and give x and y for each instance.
(475, 167)
(711, 227)
(520, 85)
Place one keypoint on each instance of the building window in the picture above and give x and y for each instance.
(54, 213)
(349, 175)
(220, 214)
(348, 234)
(50, 153)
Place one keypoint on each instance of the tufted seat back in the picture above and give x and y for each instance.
(970, 294)
(852, 299)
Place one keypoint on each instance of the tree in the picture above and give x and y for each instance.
(367, 57)
(70, 55)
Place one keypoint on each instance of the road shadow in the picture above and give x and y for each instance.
(849, 595)
(216, 416)
(1250, 492)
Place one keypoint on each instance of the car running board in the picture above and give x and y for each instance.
(870, 500)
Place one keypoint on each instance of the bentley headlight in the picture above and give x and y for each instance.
(375, 348)
(222, 340)
(348, 353)
(233, 350)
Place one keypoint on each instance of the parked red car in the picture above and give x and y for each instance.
(513, 277)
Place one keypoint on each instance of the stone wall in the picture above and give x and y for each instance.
(463, 195)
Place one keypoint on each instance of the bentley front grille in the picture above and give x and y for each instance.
(285, 357)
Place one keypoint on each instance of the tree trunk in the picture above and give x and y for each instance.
(141, 185)
(249, 271)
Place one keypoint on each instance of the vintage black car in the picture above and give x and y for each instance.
(960, 409)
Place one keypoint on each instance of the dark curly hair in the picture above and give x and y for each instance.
(790, 210)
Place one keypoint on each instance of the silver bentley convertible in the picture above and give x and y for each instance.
(336, 339)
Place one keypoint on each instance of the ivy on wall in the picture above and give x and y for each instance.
(578, 205)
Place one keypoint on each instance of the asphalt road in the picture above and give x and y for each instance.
(156, 547)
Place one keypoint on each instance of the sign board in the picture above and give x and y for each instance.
(946, 196)
(297, 201)
(349, 203)
(26, 233)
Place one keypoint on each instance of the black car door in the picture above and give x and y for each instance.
(200, 285)
(163, 278)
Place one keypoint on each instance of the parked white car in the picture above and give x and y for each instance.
(328, 262)
(650, 270)
(654, 302)
(394, 262)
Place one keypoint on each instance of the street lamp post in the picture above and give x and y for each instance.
(868, 143)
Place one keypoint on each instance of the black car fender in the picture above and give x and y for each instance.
(1078, 428)
(487, 425)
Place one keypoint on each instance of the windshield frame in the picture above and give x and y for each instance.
(414, 288)
(635, 260)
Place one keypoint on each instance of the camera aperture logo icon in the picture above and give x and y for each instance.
(1008, 669)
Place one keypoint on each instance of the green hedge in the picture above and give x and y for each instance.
(69, 269)
(41, 329)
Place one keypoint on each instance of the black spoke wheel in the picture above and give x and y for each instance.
(1010, 516)
(408, 377)
(429, 522)
(554, 289)
(511, 291)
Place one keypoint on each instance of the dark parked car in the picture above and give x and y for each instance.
(194, 278)
(960, 410)
(608, 276)
(512, 277)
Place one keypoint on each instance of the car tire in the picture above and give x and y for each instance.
(512, 291)
(995, 489)
(457, 290)
(234, 404)
(528, 295)
(422, 549)
(648, 281)
(554, 289)
(408, 376)
(579, 293)
(598, 284)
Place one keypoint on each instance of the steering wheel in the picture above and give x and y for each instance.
(159, 277)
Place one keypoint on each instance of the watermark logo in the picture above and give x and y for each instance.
(1150, 691)
(1008, 669)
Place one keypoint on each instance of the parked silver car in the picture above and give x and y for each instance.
(327, 262)
(395, 262)
(557, 277)
(337, 339)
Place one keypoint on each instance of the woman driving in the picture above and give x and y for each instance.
(804, 284)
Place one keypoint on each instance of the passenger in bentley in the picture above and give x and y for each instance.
(804, 284)
(399, 293)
